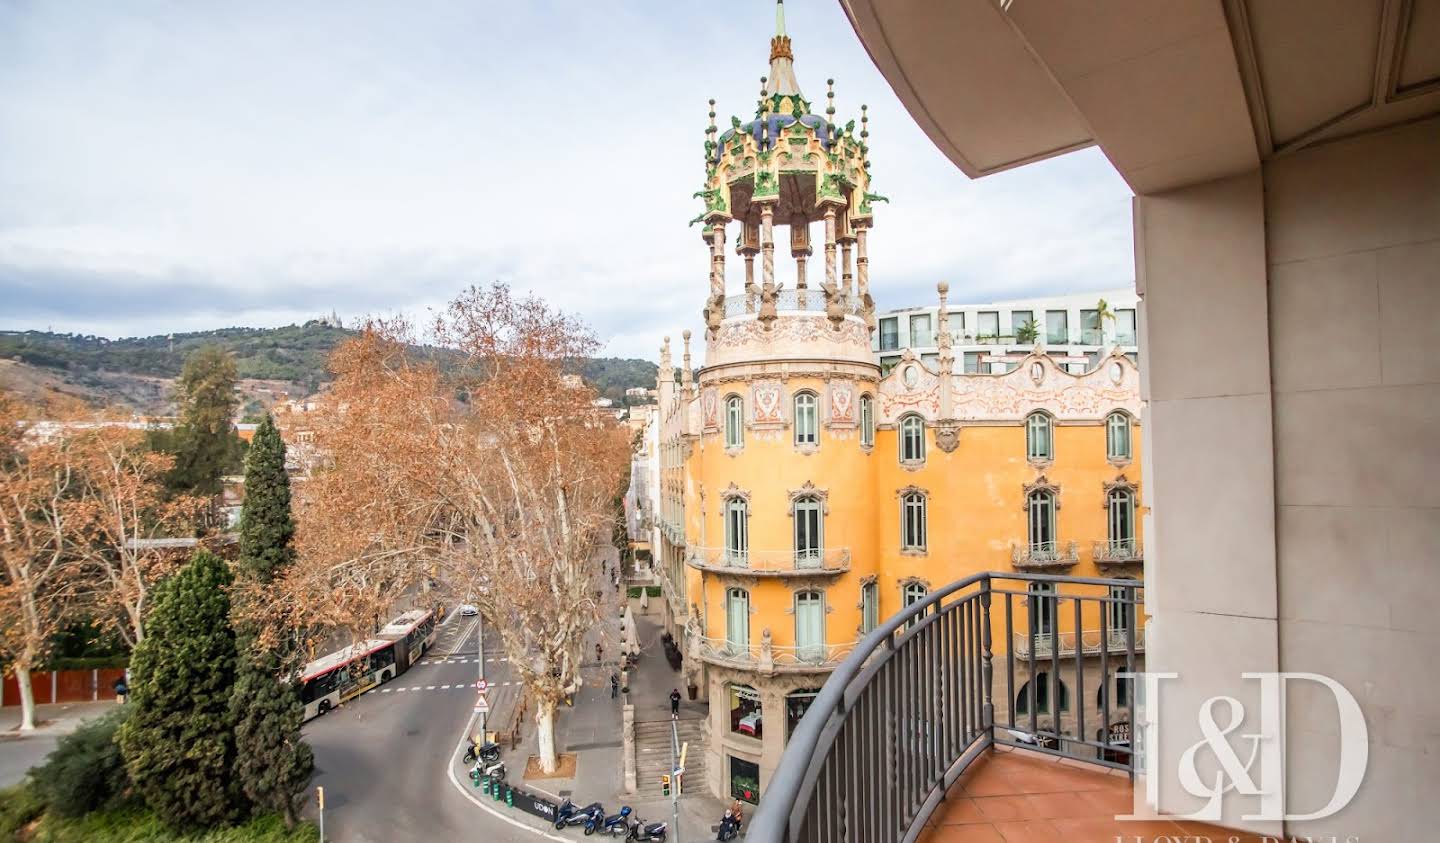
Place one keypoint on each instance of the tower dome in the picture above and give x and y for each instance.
(788, 166)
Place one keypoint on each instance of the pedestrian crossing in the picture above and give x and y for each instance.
(462, 660)
(461, 686)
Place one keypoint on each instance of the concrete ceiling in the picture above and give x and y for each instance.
(1174, 92)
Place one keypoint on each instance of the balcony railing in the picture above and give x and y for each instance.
(768, 658)
(1117, 641)
(773, 563)
(904, 715)
(1042, 555)
(809, 300)
(1118, 552)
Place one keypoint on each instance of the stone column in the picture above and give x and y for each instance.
(832, 287)
(748, 246)
(717, 259)
(847, 241)
(767, 247)
(800, 251)
(686, 386)
(862, 261)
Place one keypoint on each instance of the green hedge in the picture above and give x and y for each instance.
(87, 663)
(654, 591)
(134, 825)
(19, 806)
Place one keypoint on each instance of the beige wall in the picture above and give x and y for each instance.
(1291, 464)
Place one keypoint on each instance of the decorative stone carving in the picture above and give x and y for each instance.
(766, 399)
(947, 436)
(810, 490)
(735, 492)
(769, 297)
(710, 409)
(1041, 484)
(1121, 483)
(767, 651)
(842, 403)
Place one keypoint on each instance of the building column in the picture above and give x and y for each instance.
(800, 251)
(862, 261)
(831, 282)
(847, 240)
(767, 246)
(749, 246)
(717, 259)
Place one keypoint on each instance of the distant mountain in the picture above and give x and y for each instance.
(292, 358)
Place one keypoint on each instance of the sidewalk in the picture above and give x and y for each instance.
(19, 752)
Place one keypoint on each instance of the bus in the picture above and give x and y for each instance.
(344, 675)
(413, 634)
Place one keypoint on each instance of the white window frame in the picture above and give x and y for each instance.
(914, 539)
(808, 513)
(1121, 613)
(1044, 610)
(737, 531)
(1117, 436)
(869, 607)
(912, 440)
(911, 593)
(737, 620)
(806, 408)
(867, 421)
(1039, 431)
(1121, 520)
(806, 648)
(734, 422)
(1040, 519)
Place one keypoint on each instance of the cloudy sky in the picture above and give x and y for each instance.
(182, 166)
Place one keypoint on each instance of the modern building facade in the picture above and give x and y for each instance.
(1076, 330)
(1287, 251)
(806, 494)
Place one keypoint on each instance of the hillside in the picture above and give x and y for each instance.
(137, 372)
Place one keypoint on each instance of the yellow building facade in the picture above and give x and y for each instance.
(804, 497)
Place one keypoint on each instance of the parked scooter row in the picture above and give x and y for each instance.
(593, 820)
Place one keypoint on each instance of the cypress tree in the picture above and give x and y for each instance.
(272, 762)
(178, 743)
(204, 443)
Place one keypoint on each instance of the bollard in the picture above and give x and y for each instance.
(484, 784)
(510, 797)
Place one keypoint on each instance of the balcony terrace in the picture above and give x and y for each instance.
(770, 658)
(1040, 556)
(820, 562)
(1123, 555)
(1117, 640)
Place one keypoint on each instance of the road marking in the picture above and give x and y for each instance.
(386, 690)
(429, 687)
(484, 806)
(402, 690)
(447, 687)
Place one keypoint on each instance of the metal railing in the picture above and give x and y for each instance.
(828, 560)
(907, 712)
(773, 657)
(1044, 554)
(809, 300)
(1118, 551)
(1117, 640)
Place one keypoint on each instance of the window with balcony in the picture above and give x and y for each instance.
(1044, 688)
(806, 418)
(920, 335)
(1090, 330)
(810, 626)
(1125, 327)
(957, 327)
(737, 531)
(1121, 503)
(734, 422)
(1041, 524)
(809, 524)
(912, 522)
(913, 593)
(1117, 435)
(1020, 326)
(1121, 610)
(912, 440)
(1057, 327)
(737, 621)
(989, 327)
(745, 717)
(972, 362)
(1042, 608)
(889, 333)
(867, 421)
(869, 607)
(796, 704)
(1039, 437)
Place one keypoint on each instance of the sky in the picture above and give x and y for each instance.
(170, 167)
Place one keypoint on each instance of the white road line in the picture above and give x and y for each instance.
(429, 687)
(386, 690)
(459, 746)
(402, 690)
(445, 687)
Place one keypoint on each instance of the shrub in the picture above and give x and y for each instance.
(19, 806)
(86, 772)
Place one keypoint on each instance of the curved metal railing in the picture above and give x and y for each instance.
(906, 713)
(811, 299)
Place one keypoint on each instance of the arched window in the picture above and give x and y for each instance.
(1117, 436)
(734, 422)
(1042, 523)
(869, 607)
(1042, 608)
(1043, 687)
(808, 513)
(737, 621)
(810, 626)
(745, 712)
(912, 439)
(1121, 503)
(1038, 437)
(913, 593)
(912, 521)
(806, 419)
(1122, 695)
(867, 421)
(737, 532)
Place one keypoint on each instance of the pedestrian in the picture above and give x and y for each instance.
(598, 651)
(121, 690)
(675, 704)
(614, 685)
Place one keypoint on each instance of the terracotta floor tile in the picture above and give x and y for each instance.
(1110, 802)
(1067, 805)
(1029, 831)
(957, 811)
(964, 834)
(1108, 830)
(998, 808)
(991, 783)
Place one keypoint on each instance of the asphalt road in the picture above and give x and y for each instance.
(384, 759)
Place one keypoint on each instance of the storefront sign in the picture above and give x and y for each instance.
(532, 804)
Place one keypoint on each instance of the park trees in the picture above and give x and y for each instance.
(505, 495)
(204, 443)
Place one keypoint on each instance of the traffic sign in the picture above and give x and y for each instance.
(483, 686)
(482, 705)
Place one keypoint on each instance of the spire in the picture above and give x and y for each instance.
(782, 61)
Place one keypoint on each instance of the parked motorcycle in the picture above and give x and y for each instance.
(729, 826)
(494, 769)
(570, 814)
(643, 831)
(488, 752)
(616, 825)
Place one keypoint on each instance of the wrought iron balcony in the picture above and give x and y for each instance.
(765, 657)
(1044, 555)
(771, 563)
(914, 705)
(811, 299)
(1119, 552)
(1116, 641)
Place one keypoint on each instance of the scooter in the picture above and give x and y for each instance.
(570, 814)
(641, 830)
(495, 770)
(487, 752)
(616, 825)
(729, 827)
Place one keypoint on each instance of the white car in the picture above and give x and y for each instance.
(468, 611)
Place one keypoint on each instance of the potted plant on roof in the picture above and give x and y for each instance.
(1027, 334)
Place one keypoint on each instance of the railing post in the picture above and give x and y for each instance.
(987, 668)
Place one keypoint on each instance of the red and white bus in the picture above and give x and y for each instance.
(342, 676)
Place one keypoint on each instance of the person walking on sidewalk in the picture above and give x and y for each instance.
(598, 651)
(614, 685)
(674, 703)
